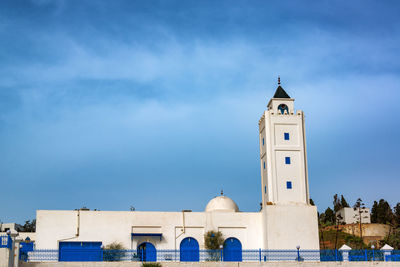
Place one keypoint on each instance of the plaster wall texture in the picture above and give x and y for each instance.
(289, 226)
(116, 226)
(212, 264)
(4, 256)
(24, 235)
(368, 230)
(349, 215)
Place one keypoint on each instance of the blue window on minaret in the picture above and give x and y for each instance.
(265, 189)
(287, 160)
(263, 141)
(289, 185)
(286, 136)
(264, 164)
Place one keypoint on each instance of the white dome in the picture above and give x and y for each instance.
(222, 203)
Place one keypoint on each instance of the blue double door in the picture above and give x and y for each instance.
(232, 250)
(147, 252)
(189, 250)
(80, 251)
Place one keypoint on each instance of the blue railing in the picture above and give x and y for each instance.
(5, 241)
(169, 255)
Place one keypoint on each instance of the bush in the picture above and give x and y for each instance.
(213, 240)
(151, 264)
(114, 252)
(115, 246)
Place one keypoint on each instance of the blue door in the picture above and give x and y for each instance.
(147, 252)
(80, 251)
(232, 250)
(189, 249)
(24, 248)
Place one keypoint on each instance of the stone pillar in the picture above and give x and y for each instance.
(387, 252)
(345, 252)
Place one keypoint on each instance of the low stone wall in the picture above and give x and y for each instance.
(372, 232)
(213, 264)
(4, 254)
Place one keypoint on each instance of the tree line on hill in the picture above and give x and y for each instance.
(381, 212)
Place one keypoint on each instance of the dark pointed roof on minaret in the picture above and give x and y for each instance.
(280, 93)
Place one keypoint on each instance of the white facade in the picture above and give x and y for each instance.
(351, 215)
(118, 226)
(286, 220)
(10, 226)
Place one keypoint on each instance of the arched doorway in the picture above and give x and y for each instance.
(232, 250)
(189, 249)
(147, 252)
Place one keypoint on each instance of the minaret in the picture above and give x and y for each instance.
(283, 155)
(288, 219)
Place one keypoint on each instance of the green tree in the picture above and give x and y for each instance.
(343, 202)
(381, 212)
(336, 203)
(360, 209)
(374, 213)
(329, 217)
(339, 203)
(29, 226)
(396, 215)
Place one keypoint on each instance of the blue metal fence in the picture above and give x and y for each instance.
(217, 255)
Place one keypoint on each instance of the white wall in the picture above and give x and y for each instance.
(116, 226)
(350, 216)
(10, 226)
(4, 256)
(289, 226)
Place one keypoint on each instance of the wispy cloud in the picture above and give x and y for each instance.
(108, 96)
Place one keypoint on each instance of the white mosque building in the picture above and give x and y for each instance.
(286, 219)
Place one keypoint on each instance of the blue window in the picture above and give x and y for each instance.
(264, 164)
(263, 141)
(289, 185)
(287, 160)
(286, 136)
(265, 189)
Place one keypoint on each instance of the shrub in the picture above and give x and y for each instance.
(115, 246)
(114, 252)
(151, 264)
(212, 241)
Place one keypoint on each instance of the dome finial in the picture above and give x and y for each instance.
(279, 80)
(222, 192)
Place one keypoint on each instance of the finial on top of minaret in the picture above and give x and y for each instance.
(222, 192)
(279, 80)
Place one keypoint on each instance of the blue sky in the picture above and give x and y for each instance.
(155, 104)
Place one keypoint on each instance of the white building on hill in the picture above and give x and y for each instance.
(351, 215)
(286, 220)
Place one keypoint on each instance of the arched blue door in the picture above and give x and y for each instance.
(189, 249)
(147, 252)
(232, 250)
